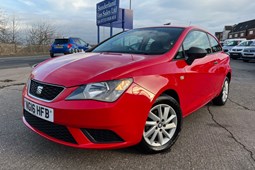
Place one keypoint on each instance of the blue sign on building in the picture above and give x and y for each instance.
(107, 11)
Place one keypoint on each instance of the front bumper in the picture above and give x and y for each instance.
(249, 56)
(124, 119)
(235, 55)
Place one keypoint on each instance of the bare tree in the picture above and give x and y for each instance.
(41, 33)
(3, 27)
(14, 32)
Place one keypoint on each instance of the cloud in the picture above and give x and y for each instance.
(27, 2)
(78, 17)
(210, 14)
(70, 5)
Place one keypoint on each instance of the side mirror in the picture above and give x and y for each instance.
(195, 53)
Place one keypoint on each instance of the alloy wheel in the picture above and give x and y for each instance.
(225, 91)
(161, 125)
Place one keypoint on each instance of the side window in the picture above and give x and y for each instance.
(82, 42)
(197, 39)
(76, 41)
(180, 54)
(215, 45)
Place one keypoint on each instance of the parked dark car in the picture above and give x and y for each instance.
(68, 46)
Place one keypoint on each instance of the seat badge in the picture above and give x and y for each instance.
(39, 90)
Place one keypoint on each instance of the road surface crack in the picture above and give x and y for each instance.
(231, 134)
(238, 104)
(6, 80)
(9, 85)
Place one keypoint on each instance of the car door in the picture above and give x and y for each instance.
(199, 79)
(219, 68)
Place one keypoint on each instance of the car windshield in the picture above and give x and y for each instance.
(245, 43)
(231, 43)
(61, 41)
(142, 41)
(253, 44)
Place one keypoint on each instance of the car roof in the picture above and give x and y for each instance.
(248, 40)
(187, 28)
(236, 39)
(173, 26)
(67, 38)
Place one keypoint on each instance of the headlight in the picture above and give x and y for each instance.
(108, 91)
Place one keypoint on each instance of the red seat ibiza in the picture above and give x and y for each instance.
(133, 89)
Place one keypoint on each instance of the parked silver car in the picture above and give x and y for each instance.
(249, 53)
(230, 43)
(236, 52)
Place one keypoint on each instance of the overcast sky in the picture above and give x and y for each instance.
(78, 17)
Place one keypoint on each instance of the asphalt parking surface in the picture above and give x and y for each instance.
(212, 138)
(21, 61)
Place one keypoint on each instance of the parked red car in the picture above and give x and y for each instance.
(133, 89)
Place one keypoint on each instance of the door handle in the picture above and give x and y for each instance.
(215, 62)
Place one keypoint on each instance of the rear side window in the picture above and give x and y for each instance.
(214, 44)
(83, 43)
(197, 39)
(77, 41)
(61, 41)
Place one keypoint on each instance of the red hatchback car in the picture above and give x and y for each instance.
(133, 89)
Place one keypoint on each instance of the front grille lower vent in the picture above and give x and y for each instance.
(102, 136)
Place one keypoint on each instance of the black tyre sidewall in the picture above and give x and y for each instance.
(218, 100)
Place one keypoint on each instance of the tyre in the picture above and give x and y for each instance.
(222, 98)
(162, 126)
(246, 61)
(51, 55)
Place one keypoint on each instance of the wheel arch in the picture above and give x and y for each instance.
(172, 93)
(229, 76)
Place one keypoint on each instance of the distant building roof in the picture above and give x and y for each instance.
(244, 26)
(228, 27)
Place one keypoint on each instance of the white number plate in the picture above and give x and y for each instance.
(39, 111)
